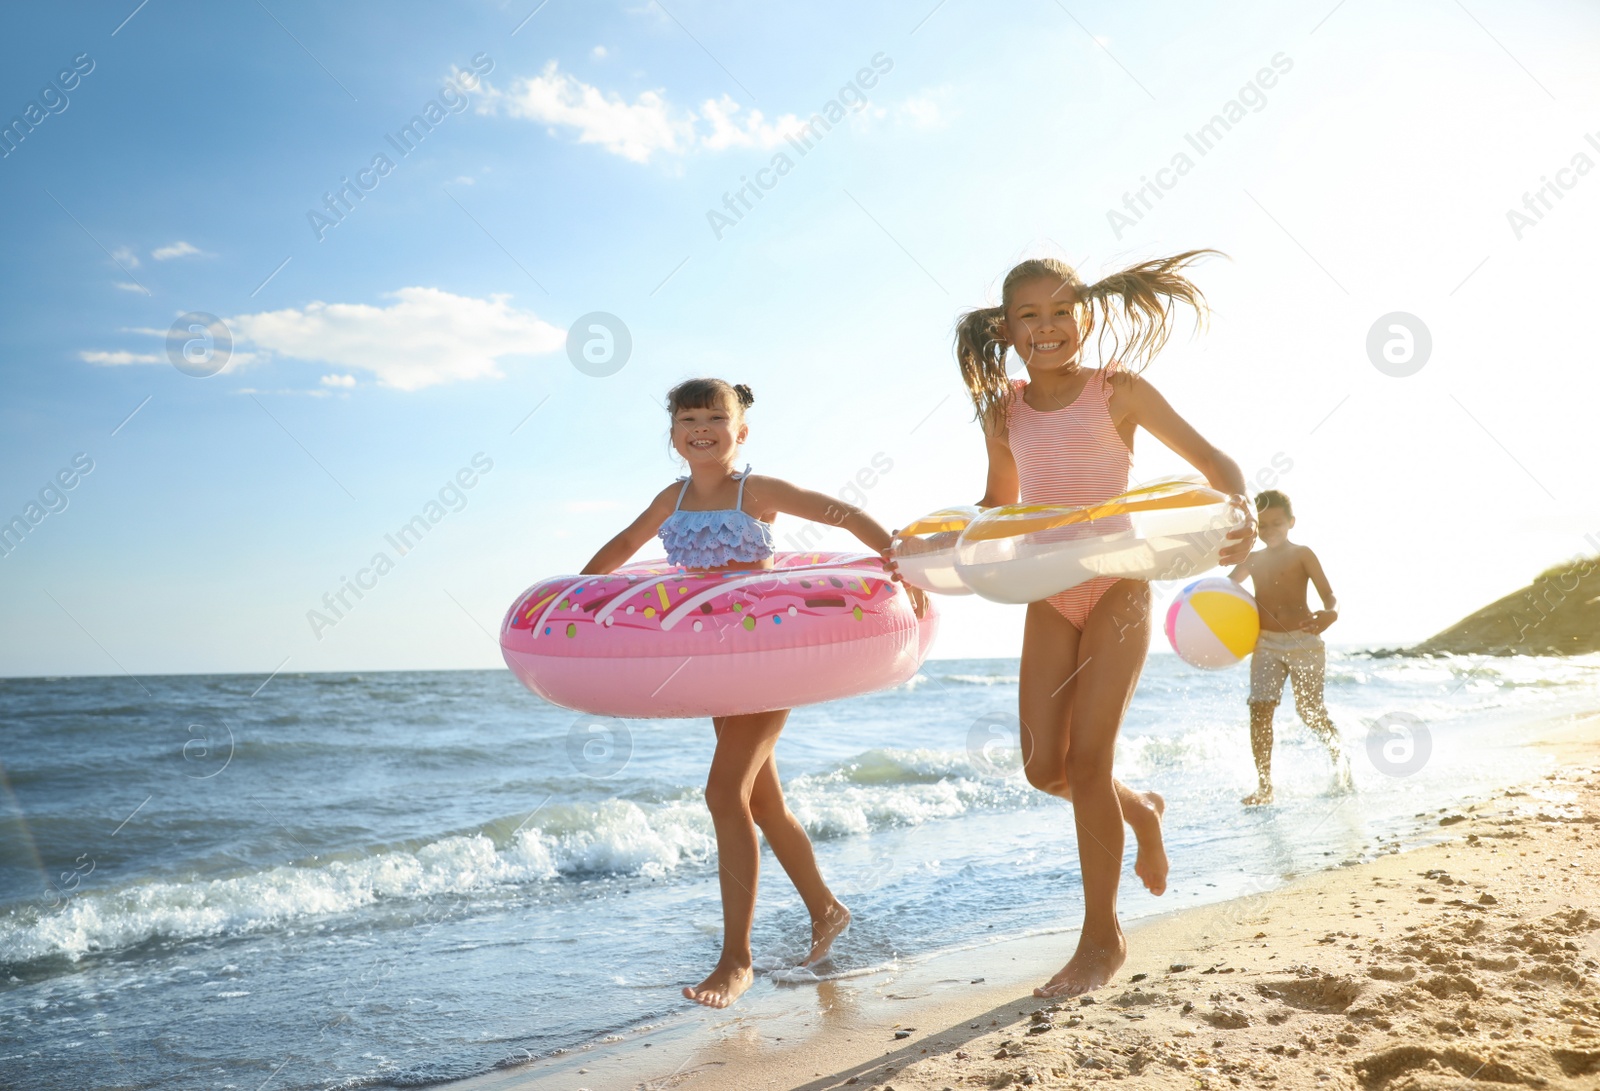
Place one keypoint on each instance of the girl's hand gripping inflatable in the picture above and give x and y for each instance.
(924, 553)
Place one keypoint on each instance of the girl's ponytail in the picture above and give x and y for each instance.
(1133, 310)
(981, 351)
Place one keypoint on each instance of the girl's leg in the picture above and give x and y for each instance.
(1115, 638)
(1049, 679)
(744, 745)
(792, 847)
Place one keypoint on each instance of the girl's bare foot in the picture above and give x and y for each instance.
(725, 984)
(1092, 965)
(824, 930)
(1151, 862)
(1258, 797)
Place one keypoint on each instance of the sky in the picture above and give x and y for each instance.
(371, 312)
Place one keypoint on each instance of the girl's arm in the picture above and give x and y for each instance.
(769, 494)
(1145, 407)
(777, 496)
(1004, 485)
(615, 553)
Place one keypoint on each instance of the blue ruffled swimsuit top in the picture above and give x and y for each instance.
(712, 539)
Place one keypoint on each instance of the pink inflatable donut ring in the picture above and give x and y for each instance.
(651, 640)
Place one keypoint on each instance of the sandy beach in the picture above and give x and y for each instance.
(1471, 962)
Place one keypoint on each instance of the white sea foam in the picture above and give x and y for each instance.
(887, 788)
(983, 679)
(614, 836)
(621, 837)
(799, 975)
(115, 919)
(879, 789)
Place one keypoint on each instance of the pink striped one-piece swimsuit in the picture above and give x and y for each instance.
(1071, 456)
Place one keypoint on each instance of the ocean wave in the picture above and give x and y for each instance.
(881, 789)
(85, 718)
(614, 837)
(891, 767)
(981, 679)
(1516, 670)
(878, 789)
(620, 837)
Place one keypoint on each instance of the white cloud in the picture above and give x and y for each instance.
(927, 110)
(652, 10)
(463, 180)
(345, 381)
(921, 111)
(756, 132)
(116, 359)
(238, 358)
(125, 256)
(286, 392)
(179, 249)
(425, 338)
(598, 52)
(638, 130)
(633, 130)
(127, 287)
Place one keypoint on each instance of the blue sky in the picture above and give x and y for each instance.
(574, 161)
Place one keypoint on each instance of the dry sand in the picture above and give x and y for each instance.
(1468, 964)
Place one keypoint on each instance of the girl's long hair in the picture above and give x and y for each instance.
(1133, 309)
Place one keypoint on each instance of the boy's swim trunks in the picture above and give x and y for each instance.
(1301, 656)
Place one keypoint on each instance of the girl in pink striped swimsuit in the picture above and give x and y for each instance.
(1065, 436)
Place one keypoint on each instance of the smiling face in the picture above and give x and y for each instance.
(1275, 524)
(1042, 324)
(712, 434)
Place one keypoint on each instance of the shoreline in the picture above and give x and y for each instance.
(1349, 647)
(1302, 985)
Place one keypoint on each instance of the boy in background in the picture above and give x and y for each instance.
(1290, 645)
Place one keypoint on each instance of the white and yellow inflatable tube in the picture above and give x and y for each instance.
(1168, 530)
(925, 552)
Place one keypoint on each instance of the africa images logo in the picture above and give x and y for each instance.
(53, 99)
(803, 138)
(452, 99)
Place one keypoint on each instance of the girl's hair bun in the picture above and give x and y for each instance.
(708, 394)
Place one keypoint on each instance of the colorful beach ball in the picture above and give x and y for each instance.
(1213, 623)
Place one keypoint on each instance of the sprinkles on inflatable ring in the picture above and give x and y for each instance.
(654, 640)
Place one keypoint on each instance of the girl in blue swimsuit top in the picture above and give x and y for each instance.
(721, 519)
(716, 539)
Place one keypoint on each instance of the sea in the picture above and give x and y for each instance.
(396, 879)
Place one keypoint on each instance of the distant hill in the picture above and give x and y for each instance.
(1557, 614)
